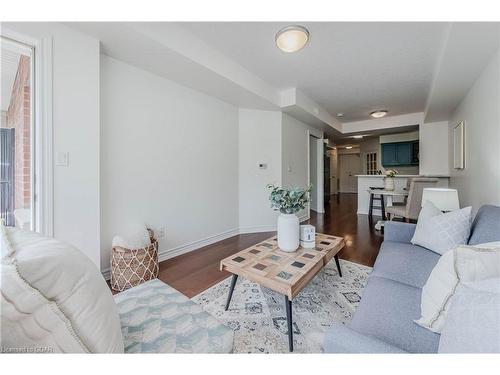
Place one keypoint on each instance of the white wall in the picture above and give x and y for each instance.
(295, 152)
(433, 151)
(399, 137)
(75, 103)
(169, 157)
(259, 142)
(316, 176)
(479, 182)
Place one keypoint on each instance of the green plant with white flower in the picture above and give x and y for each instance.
(391, 172)
(288, 200)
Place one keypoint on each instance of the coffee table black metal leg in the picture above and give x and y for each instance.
(338, 265)
(231, 289)
(288, 304)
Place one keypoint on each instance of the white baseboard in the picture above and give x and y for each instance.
(376, 212)
(195, 245)
(258, 229)
(183, 249)
(304, 217)
(267, 228)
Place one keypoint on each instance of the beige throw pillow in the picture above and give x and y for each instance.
(463, 264)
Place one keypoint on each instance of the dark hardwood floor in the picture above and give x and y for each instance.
(340, 219)
(198, 270)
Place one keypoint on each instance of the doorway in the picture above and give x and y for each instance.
(316, 176)
(349, 167)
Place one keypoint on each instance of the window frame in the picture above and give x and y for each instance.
(42, 130)
(371, 163)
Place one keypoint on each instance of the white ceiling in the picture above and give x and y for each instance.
(414, 70)
(352, 68)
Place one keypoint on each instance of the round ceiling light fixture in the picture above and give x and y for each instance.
(292, 38)
(379, 113)
(348, 147)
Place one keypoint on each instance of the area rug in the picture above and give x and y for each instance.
(258, 318)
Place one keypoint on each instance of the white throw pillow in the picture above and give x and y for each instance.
(473, 322)
(463, 264)
(137, 238)
(441, 232)
(53, 296)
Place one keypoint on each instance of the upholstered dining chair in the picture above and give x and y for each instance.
(413, 205)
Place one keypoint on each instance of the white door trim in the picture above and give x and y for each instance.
(317, 186)
(43, 135)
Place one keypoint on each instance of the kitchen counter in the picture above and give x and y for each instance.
(377, 180)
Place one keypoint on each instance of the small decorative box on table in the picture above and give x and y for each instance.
(285, 273)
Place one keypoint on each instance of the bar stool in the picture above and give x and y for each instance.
(376, 197)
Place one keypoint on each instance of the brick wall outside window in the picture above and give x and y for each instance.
(18, 117)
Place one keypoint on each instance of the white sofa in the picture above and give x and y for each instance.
(54, 299)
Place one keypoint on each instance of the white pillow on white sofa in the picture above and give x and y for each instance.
(463, 264)
(53, 296)
(441, 232)
(473, 321)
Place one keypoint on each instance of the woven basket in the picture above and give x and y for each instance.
(131, 267)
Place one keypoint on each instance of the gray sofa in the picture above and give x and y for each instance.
(383, 322)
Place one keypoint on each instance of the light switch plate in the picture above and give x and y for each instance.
(161, 231)
(62, 159)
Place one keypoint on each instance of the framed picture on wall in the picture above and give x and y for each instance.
(459, 145)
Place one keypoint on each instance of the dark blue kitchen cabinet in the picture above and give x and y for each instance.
(389, 154)
(403, 153)
(400, 153)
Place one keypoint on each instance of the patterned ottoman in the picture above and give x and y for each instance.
(156, 318)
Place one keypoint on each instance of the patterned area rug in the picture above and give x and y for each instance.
(258, 318)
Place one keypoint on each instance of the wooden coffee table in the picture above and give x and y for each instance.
(285, 273)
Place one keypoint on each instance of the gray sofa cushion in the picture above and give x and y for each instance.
(397, 231)
(405, 263)
(342, 339)
(486, 225)
(387, 311)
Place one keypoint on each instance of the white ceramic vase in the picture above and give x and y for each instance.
(288, 232)
(389, 183)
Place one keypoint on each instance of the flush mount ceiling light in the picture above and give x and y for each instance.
(348, 147)
(340, 114)
(292, 38)
(357, 136)
(379, 113)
